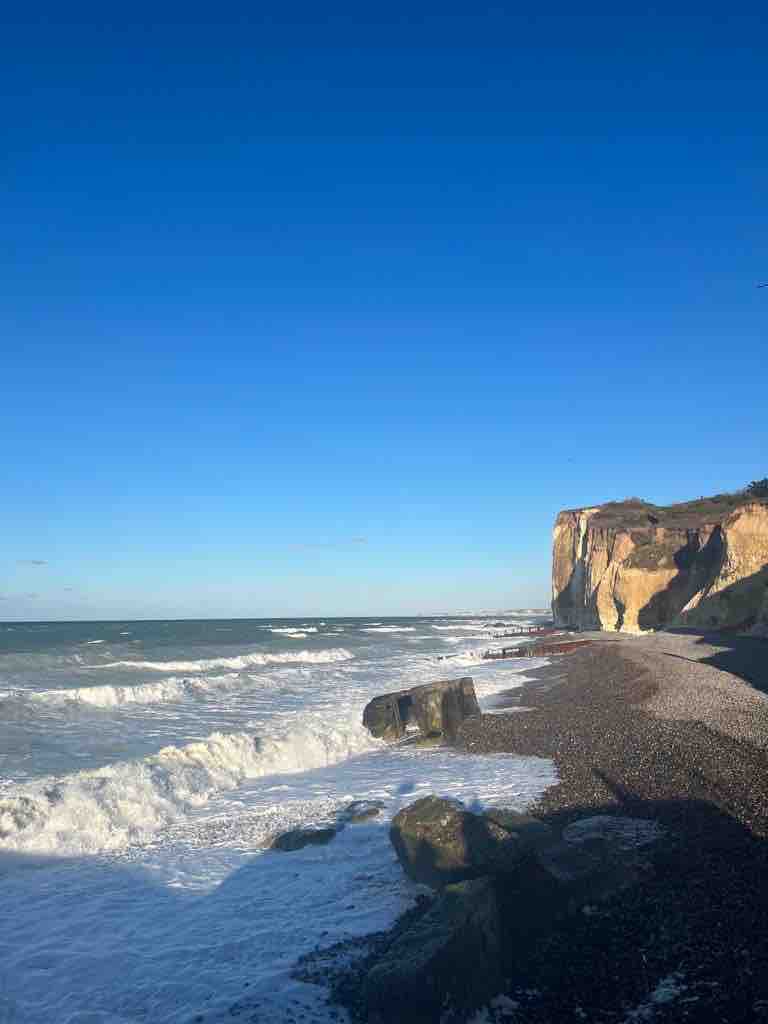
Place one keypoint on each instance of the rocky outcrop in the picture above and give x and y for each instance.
(435, 709)
(452, 957)
(633, 566)
(449, 959)
(438, 841)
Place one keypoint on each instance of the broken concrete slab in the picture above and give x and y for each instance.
(435, 709)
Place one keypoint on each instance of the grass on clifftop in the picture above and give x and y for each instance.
(634, 513)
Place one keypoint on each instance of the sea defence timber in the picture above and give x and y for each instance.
(541, 650)
(529, 631)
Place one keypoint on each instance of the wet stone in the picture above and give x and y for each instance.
(361, 810)
(451, 956)
(298, 838)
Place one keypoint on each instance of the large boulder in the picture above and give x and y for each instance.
(439, 841)
(521, 882)
(382, 718)
(450, 958)
(435, 709)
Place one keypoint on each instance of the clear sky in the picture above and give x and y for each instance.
(315, 309)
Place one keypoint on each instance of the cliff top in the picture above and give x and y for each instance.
(633, 513)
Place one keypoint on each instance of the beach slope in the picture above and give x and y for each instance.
(671, 728)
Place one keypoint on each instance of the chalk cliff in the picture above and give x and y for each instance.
(634, 566)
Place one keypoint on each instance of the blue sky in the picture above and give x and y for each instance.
(314, 310)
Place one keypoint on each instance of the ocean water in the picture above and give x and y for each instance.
(144, 767)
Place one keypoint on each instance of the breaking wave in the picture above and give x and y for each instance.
(389, 629)
(294, 632)
(108, 696)
(94, 811)
(241, 661)
(473, 626)
(464, 658)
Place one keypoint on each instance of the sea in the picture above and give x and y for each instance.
(144, 769)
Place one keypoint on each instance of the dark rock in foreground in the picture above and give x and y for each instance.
(320, 833)
(298, 838)
(581, 876)
(523, 886)
(361, 810)
(435, 708)
(438, 841)
(451, 957)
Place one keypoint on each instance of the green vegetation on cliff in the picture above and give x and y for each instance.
(633, 513)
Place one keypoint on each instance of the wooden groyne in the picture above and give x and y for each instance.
(536, 650)
(530, 631)
(513, 630)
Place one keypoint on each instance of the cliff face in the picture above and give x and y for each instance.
(634, 566)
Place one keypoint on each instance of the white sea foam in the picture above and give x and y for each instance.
(108, 696)
(95, 811)
(295, 632)
(241, 661)
(465, 658)
(472, 626)
(389, 629)
(210, 927)
(153, 779)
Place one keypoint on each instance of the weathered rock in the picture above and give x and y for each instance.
(298, 838)
(580, 876)
(450, 957)
(633, 566)
(438, 841)
(361, 810)
(455, 955)
(528, 833)
(382, 718)
(434, 708)
(599, 857)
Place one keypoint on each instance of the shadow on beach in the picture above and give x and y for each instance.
(742, 656)
(701, 918)
(689, 942)
(686, 940)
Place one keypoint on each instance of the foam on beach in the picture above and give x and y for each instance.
(135, 877)
(208, 923)
(94, 811)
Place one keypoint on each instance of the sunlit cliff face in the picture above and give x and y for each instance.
(632, 566)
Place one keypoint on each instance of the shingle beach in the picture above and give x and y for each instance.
(672, 728)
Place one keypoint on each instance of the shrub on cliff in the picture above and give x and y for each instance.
(758, 488)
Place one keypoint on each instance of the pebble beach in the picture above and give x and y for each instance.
(672, 728)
